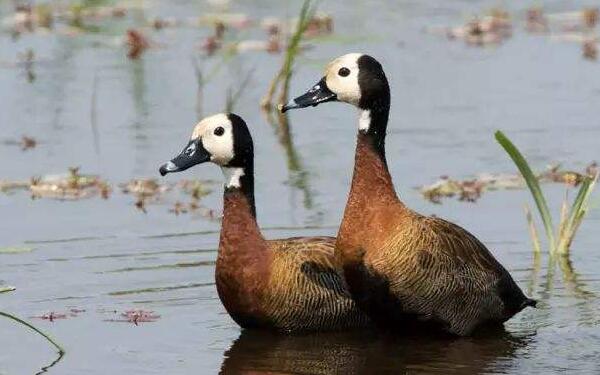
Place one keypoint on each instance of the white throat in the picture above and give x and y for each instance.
(232, 176)
(364, 120)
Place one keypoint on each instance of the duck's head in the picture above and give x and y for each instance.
(223, 139)
(355, 78)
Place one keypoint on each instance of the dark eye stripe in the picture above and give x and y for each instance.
(344, 72)
(219, 131)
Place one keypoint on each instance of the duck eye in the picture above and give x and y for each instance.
(344, 72)
(219, 131)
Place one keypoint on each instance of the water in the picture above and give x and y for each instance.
(106, 257)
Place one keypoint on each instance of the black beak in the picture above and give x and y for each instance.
(318, 94)
(194, 153)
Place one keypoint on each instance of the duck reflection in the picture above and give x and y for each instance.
(368, 352)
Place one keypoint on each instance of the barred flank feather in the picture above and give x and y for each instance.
(307, 290)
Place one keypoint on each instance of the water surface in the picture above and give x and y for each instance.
(106, 257)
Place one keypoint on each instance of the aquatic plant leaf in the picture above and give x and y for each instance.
(15, 249)
(577, 213)
(6, 289)
(535, 239)
(532, 183)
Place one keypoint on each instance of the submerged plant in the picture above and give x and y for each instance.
(559, 239)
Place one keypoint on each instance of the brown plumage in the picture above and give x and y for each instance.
(289, 284)
(404, 267)
(405, 270)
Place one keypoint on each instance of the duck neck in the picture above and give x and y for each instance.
(372, 127)
(239, 210)
(371, 182)
(242, 270)
(239, 182)
(370, 165)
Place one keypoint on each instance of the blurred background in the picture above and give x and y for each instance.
(117, 263)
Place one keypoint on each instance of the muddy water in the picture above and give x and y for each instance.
(106, 257)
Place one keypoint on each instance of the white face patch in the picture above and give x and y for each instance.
(232, 176)
(344, 85)
(216, 134)
(364, 120)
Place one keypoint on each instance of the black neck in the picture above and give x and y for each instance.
(246, 185)
(379, 109)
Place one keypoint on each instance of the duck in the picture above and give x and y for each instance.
(287, 285)
(405, 270)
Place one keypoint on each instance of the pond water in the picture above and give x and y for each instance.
(107, 257)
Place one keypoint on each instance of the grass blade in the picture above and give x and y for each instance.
(532, 183)
(33, 328)
(535, 239)
(577, 213)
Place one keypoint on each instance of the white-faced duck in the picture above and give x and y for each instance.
(405, 270)
(291, 284)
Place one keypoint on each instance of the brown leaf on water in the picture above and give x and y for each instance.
(140, 204)
(27, 143)
(590, 50)
(51, 316)
(137, 43)
(536, 20)
(178, 208)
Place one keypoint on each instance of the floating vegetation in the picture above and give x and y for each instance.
(496, 27)
(574, 27)
(135, 317)
(52, 315)
(590, 49)
(559, 240)
(197, 189)
(71, 186)
(25, 143)
(75, 186)
(15, 249)
(144, 190)
(490, 29)
(140, 316)
(7, 288)
(470, 190)
(145, 187)
(137, 43)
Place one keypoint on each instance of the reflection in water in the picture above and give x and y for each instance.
(571, 278)
(46, 368)
(535, 272)
(139, 125)
(569, 275)
(575, 288)
(366, 352)
(298, 175)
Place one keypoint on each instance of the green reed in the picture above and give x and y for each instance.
(283, 76)
(60, 349)
(561, 237)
